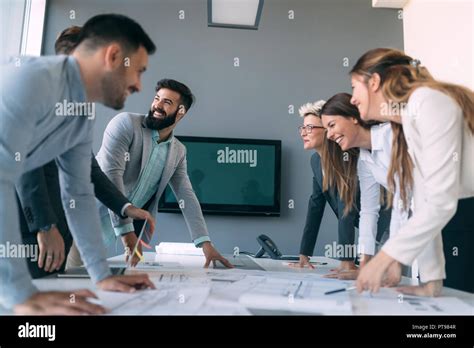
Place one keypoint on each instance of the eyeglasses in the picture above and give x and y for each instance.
(308, 129)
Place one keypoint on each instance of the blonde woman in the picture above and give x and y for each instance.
(312, 133)
(432, 155)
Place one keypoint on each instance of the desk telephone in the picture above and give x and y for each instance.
(269, 247)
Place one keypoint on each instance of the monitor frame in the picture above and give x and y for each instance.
(233, 209)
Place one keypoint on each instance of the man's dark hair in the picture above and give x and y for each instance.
(107, 28)
(187, 98)
(67, 40)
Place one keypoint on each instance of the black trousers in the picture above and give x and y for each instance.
(29, 238)
(458, 248)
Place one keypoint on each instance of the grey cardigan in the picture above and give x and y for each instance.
(124, 153)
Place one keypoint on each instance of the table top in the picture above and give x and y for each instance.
(361, 305)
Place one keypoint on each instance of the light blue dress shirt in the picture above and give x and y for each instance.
(149, 179)
(146, 186)
(31, 135)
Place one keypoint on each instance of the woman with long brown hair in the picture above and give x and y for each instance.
(432, 158)
(372, 144)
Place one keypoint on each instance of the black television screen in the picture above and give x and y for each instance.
(231, 176)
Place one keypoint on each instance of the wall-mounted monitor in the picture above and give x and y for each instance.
(231, 176)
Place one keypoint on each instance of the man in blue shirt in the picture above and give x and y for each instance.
(42, 219)
(141, 156)
(45, 114)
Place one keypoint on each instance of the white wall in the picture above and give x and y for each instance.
(440, 34)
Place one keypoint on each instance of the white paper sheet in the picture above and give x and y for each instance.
(390, 302)
(239, 292)
(178, 249)
(168, 300)
(301, 296)
(222, 307)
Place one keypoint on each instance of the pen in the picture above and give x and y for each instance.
(135, 249)
(339, 290)
(297, 289)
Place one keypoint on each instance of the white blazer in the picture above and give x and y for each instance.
(442, 149)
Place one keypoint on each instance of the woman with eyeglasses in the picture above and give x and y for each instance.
(313, 135)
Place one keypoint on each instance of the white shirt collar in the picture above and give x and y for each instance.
(380, 138)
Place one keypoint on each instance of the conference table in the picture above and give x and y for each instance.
(361, 303)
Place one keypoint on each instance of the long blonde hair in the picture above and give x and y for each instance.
(400, 75)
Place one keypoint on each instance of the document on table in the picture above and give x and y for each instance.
(300, 296)
(167, 300)
(388, 301)
(178, 249)
(149, 266)
(220, 307)
(239, 292)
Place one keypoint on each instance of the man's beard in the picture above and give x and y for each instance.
(113, 90)
(160, 123)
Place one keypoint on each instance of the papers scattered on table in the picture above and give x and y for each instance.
(390, 302)
(220, 307)
(178, 249)
(241, 292)
(167, 300)
(153, 265)
(299, 296)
